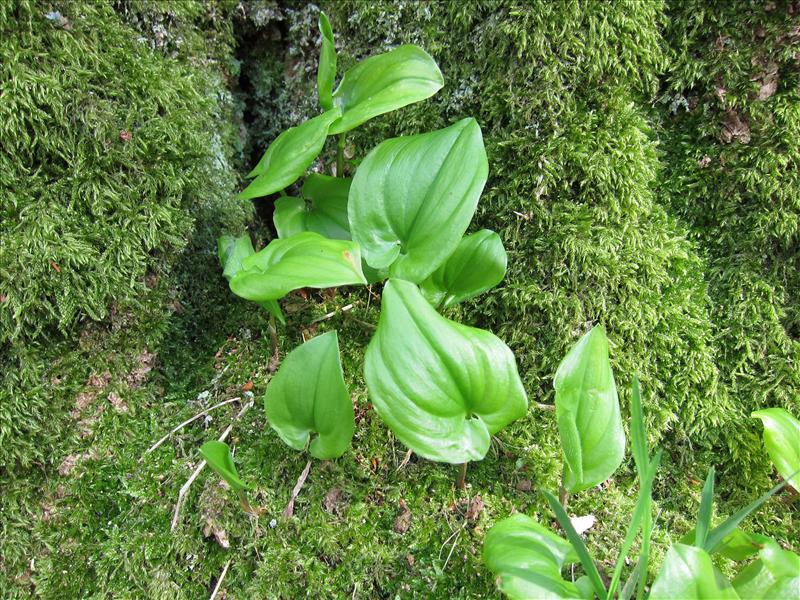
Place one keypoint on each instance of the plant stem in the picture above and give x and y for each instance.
(461, 482)
(282, 193)
(273, 334)
(540, 406)
(340, 157)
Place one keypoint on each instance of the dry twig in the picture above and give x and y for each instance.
(289, 510)
(185, 423)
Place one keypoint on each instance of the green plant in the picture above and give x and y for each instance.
(782, 440)
(219, 457)
(528, 558)
(406, 211)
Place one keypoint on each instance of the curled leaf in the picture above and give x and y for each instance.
(443, 388)
(384, 83)
(308, 396)
(413, 197)
(587, 410)
(303, 260)
(288, 157)
(477, 264)
(218, 456)
(327, 64)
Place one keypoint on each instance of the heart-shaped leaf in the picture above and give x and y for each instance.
(218, 456)
(688, 573)
(527, 558)
(232, 251)
(413, 197)
(782, 439)
(303, 260)
(443, 388)
(587, 410)
(478, 264)
(327, 64)
(774, 576)
(323, 209)
(288, 157)
(384, 83)
(308, 395)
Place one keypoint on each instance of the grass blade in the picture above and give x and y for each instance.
(725, 528)
(630, 585)
(577, 543)
(706, 510)
(638, 434)
(643, 507)
(644, 555)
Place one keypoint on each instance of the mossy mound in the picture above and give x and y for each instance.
(113, 158)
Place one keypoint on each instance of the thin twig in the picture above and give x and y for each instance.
(289, 510)
(185, 423)
(332, 314)
(219, 581)
(406, 458)
(541, 406)
(185, 488)
(453, 547)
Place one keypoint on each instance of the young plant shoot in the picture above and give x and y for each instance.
(219, 458)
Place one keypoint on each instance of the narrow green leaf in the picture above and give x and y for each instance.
(288, 157)
(384, 83)
(303, 260)
(630, 584)
(643, 508)
(644, 555)
(724, 529)
(323, 209)
(587, 410)
(232, 251)
(688, 573)
(308, 395)
(477, 264)
(326, 72)
(413, 197)
(782, 439)
(738, 545)
(528, 558)
(706, 510)
(218, 456)
(577, 544)
(443, 388)
(774, 576)
(638, 433)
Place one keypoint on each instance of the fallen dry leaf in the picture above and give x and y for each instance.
(248, 386)
(475, 508)
(334, 501)
(403, 520)
(735, 129)
(524, 485)
(117, 402)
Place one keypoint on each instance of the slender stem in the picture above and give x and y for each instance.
(540, 406)
(282, 193)
(245, 504)
(273, 334)
(340, 157)
(461, 482)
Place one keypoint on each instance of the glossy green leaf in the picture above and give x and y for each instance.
(478, 264)
(218, 456)
(782, 439)
(327, 64)
(527, 558)
(413, 197)
(384, 83)
(774, 576)
(323, 209)
(308, 396)
(232, 251)
(587, 410)
(443, 388)
(303, 260)
(689, 574)
(737, 545)
(288, 157)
